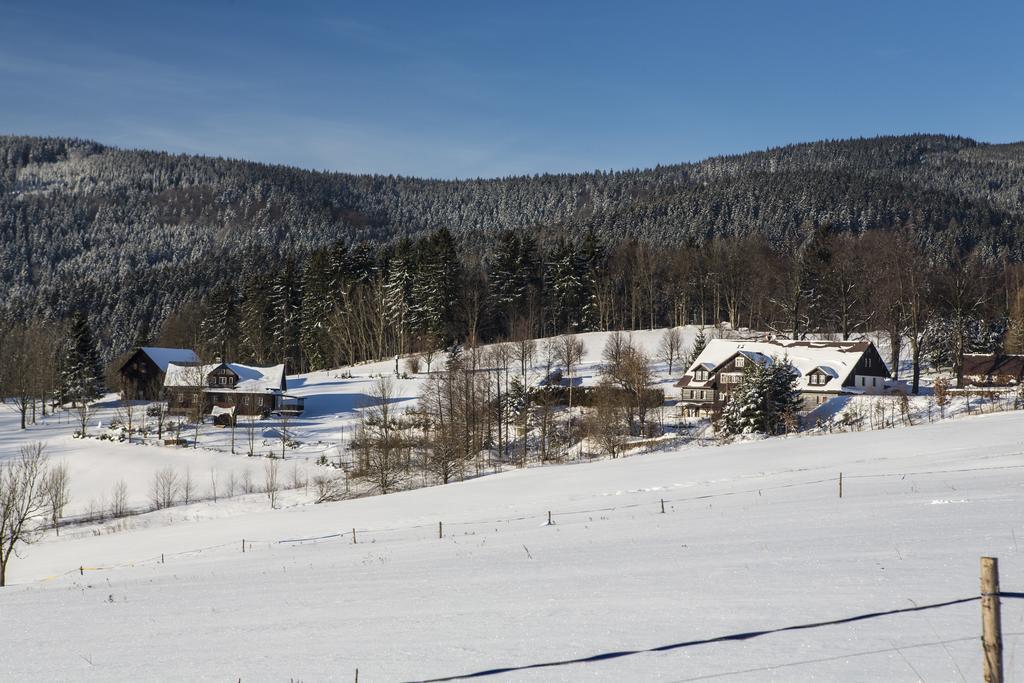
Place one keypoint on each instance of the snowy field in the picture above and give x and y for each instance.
(754, 538)
(333, 400)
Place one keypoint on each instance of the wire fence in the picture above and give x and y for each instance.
(546, 517)
(549, 517)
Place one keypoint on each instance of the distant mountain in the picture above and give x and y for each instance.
(129, 235)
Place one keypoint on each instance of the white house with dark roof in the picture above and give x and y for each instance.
(825, 370)
(228, 388)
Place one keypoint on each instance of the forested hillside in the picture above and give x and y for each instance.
(130, 237)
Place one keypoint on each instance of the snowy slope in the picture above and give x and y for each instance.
(333, 400)
(754, 538)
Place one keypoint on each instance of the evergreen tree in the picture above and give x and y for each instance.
(765, 396)
(285, 311)
(435, 291)
(81, 376)
(699, 342)
(566, 287)
(317, 304)
(256, 342)
(219, 326)
(398, 294)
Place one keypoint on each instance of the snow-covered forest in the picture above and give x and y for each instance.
(129, 238)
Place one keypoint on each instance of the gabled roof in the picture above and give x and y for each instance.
(825, 370)
(835, 359)
(251, 379)
(164, 357)
(754, 357)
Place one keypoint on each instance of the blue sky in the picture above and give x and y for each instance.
(465, 89)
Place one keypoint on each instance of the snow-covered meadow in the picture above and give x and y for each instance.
(754, 537)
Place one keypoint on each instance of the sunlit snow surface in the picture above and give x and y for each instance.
(754, 537)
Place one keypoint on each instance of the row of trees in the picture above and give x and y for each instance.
(354, 303)
(48, 364)
(510, 404)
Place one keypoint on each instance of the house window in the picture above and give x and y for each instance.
(222, 380)
(702, 395)
(867, 361)
(701, 375)
(740, 360)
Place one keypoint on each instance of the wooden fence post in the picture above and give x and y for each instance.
(662, 506)
(353, 535)
(549, 517)
(440, 530)
(991, 626)
(840, 484)
(243, 545)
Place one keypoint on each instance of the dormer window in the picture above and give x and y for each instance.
(701, 375)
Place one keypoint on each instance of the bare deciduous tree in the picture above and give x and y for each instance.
(570, 354)
(119, 499)
(188, 487)
(56, 489)
(22, 503)
(163, 491)
(271, 480)
(380, 441)
(670, 347)
(329, 488)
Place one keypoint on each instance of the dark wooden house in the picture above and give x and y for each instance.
(142, 375)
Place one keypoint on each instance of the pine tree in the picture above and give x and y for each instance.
(256, 343)
(81, 372)
(285, 309)
(317, 304)
(566, 284)
(398, 294)
(220, 323)
(699, 343)
(764, 397)
(435, 292)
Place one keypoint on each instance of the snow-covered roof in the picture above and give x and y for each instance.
(164, 357)
(826, 370)
(756, 357)
(251, 379)
(835, 359)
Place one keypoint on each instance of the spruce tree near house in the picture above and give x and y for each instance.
(763, 400)
(699, 342)
(81, 372)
